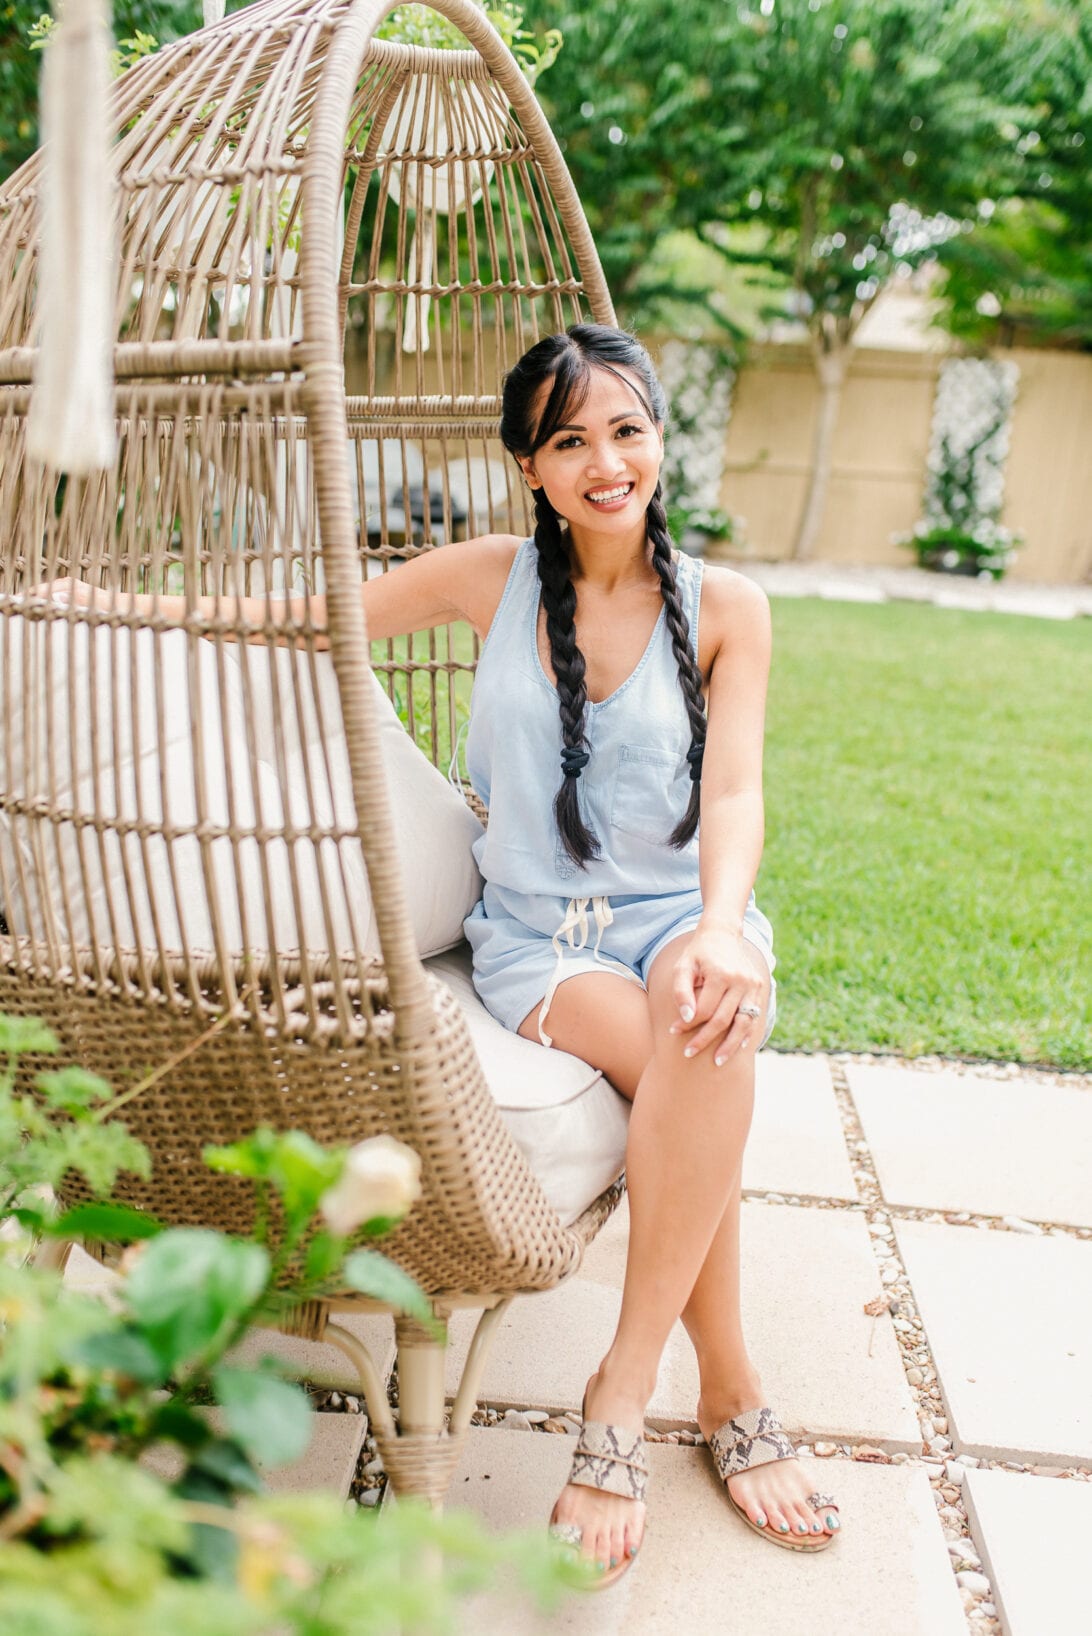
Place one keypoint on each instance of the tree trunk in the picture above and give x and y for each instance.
(832, 363)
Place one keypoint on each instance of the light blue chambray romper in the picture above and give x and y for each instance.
(530, 932)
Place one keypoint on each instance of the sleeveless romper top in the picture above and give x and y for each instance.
(636, 785)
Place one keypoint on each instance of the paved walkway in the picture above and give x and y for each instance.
(849, 583)
(917, 1262)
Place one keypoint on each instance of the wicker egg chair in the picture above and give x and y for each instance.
(285, 181)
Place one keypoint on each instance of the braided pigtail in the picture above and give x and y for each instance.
(689, 675)
(559, 601)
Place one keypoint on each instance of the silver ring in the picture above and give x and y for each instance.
(749, 1010)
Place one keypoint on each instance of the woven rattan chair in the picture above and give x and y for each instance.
(285, 182)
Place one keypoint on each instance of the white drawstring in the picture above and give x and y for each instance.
(453, 776)
(574, 931)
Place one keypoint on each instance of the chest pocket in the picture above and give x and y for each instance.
(651, 791)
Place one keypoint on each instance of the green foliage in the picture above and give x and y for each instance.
(822, 148)
(1024, 274)
(190, 1288)
(372, 1274)
(269, 1418)
(52, 1128)
(420, 25)
(138, 25)
(86, 1388)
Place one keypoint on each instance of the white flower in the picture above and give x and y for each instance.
(381, 1177)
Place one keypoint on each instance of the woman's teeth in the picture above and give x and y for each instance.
(607, 496)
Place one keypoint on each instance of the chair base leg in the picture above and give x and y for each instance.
(421, 1452)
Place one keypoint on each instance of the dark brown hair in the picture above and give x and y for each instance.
(568, 361)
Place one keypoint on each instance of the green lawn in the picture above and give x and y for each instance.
(926, 868)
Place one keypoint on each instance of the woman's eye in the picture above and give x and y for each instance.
(569, 442)
(627, 430)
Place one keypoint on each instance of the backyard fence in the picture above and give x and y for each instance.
(878, 481)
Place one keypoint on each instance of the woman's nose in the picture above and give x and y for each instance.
(605, 459)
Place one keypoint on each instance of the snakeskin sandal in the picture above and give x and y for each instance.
(611, 1459)
(754, 1438)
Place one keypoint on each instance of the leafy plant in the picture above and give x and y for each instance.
(127, 51)
(960, 531)
(89, 1388)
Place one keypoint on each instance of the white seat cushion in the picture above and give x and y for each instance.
(103, 723)
(569, 1122)
(294, 708)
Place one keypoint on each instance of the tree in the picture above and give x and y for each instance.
(636, 102)
(879, 133)
(1025, 271)
(19, 65)
(830, 143)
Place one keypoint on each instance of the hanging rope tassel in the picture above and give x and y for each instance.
(418, 307)
(71, 422)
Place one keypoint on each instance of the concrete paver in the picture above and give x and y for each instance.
(319, 1362)
(1033, 1533)
(857, 582)
(796, 1143)
(701, 1570)
(827, 1367)
(329, 1461)
(1011, 1335)
(967, 1142)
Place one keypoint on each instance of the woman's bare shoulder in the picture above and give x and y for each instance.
(735, 612)
(482, 566)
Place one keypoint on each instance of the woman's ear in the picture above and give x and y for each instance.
(527, 466)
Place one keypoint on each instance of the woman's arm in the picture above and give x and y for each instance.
(460, 581)
(715, 973)
(732, 817)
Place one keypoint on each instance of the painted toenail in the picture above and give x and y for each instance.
(761, 1519)
(801, 1528)
(817, 1527)
(633, 1550)
(784, 1527)
(832, 1522)
(601, 1566)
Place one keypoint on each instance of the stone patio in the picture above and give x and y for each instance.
(953, 1421)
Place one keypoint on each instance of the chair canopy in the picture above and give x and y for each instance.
(331, 248)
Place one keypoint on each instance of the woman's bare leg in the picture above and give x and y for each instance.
(686, 1136)
(612, 1024)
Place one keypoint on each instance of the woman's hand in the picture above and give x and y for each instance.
(714, 977)
(75, 591)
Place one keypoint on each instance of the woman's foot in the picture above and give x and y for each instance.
(774, 1495)
(611, 1527)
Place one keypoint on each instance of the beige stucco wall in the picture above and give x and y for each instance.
(880, 449)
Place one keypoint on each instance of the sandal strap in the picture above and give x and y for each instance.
(752, 1438)
(612, 1459)
(818, 1501)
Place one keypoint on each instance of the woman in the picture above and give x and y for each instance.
(604, 711)
(619, 689)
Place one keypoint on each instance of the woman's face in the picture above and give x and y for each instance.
(601, 467)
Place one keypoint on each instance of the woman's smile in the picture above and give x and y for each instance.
(610, 499)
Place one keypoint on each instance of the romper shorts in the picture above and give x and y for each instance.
(526, 945)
